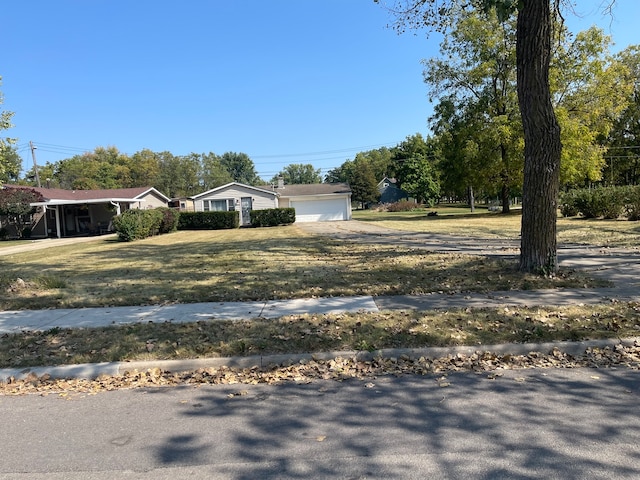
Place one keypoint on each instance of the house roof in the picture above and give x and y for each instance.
(313, 189)
(391, 181)
(59, 195)
(233, 184)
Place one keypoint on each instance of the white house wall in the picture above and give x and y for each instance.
(151, 200)
(260, 200)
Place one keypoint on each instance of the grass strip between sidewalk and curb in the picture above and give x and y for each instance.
(365, 367)
(319, 333)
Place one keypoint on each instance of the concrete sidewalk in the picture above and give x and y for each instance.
(40, 320)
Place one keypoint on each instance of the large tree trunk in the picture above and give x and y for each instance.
(542, 147)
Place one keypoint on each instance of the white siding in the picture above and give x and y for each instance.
(321, 209)
(261, 201)
(151, 200)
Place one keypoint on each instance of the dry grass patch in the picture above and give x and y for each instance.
(318, 333)
(609, 233)
(244, 265)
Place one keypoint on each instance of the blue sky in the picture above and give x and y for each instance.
(285, 81)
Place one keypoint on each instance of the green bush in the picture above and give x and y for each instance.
(568, 204)
(272, 217)
(170, 219)
(208, 220)
(605, 202)
(632, 202)
(137, 224)
(402, 206)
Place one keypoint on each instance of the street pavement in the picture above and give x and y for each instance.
(569, 424)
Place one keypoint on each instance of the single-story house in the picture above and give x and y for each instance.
(390, 192)
(313, 202)
(236, 196)
(67, 213)
(317, 202)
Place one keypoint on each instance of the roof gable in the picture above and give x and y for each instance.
(236, 185)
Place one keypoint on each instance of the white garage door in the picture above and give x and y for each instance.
(320, 210)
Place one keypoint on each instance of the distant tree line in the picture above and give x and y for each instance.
(476, 149)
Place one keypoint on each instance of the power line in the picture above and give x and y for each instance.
(63, 149)
(326, 152)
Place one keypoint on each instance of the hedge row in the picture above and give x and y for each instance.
(605, 202)
(273, 217)
(208, 220)
(138, 224)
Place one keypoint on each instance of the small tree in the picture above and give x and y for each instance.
(418, 178)
(15, 205)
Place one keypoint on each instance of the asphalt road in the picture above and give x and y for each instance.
(565, 424)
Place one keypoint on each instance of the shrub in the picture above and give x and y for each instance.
(208, 220)
(26, 232)
(4, 234)
(402, 206)
(170, 219)
(272, 217)
(606, 202)
(632, 203)
(136, 224)
(568, 204)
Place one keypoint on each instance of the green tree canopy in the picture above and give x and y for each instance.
(591, 88)
(214, 174)
(363, 183)
(7, 153)
(623, 142)
(179, 175)
(298, 173)
(10, 165)
(420, 180)
(241, 168)
(414, 162)
(144, 169)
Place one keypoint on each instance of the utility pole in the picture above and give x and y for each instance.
(35, 165)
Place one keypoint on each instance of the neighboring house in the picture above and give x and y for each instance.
(67, 213)
(317, 202)
(390, 192)
(313, 203)
(236, 196)
(183, 204)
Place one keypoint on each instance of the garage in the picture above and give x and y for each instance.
(325, 210)
(321, 202)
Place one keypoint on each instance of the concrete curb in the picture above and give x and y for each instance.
(91, 371)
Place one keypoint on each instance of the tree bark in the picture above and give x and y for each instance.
(542, 147)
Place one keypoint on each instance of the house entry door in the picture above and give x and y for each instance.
(246, 204)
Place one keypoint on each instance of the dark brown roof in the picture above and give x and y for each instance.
(313, 189)
(61, 194)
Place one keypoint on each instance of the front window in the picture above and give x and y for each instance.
(218, 205)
